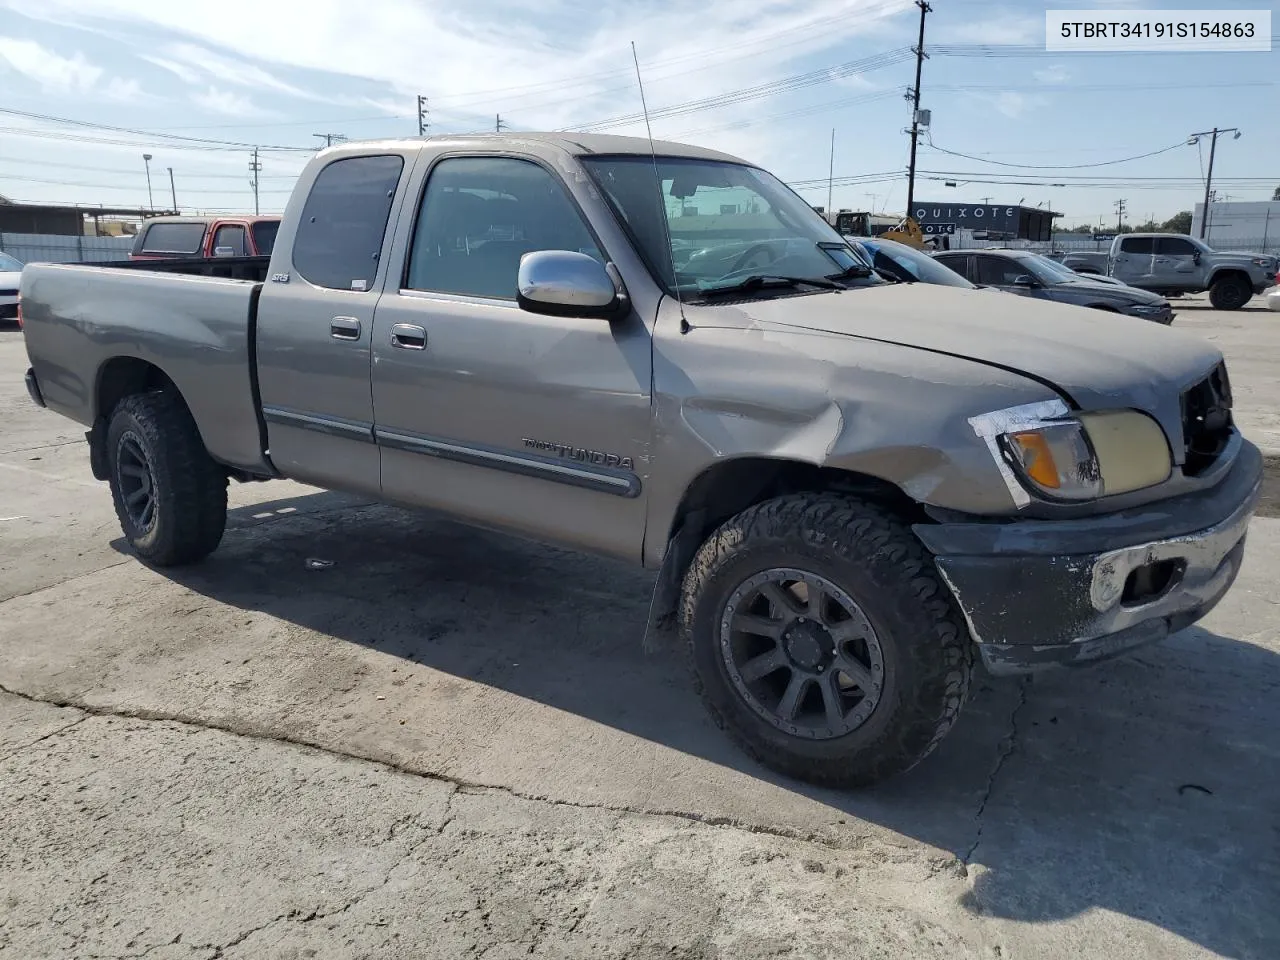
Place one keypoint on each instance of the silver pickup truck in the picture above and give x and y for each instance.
(1173, 264)
(849, 489)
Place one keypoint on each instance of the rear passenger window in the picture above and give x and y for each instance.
(1137, 245)
(174, 238)
(340, 234)
(480, 215)
(1175, 247)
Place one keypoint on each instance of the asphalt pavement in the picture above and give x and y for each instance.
(443, 742)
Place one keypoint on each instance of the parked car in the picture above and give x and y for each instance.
(1093, 263)
(178, 237)
(1031, 275)
(848, 489)
(10, 275)
(1172, 264)
(906, 264)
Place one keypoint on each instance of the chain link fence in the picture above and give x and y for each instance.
(44, 248)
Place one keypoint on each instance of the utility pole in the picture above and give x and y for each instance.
(1120, 208)
(330, 138)
(254, 168)
(424, 116)
(146, 158)
(498, 123)
(1208, 180)
(173, 191)
(915, 108)
(831, 170)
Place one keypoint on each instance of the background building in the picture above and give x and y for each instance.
(1240, 226)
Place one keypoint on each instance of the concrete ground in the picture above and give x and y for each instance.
(451, 743)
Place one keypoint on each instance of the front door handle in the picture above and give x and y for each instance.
(344, 328)
(408, 336)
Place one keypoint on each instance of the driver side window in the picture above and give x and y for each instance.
(480, 215)
(997, 271)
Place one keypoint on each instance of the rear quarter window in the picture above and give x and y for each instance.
(344, 221)
(184, 238)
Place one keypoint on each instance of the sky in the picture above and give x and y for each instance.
(196, 84)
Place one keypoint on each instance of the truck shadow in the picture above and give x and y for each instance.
(1146, 787)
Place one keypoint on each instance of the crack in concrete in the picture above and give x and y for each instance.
(48, 736)
(1007, 747)
(52, 586)
(265, 735)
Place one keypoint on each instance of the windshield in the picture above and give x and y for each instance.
(9, 264)
(726, 221)
(1048, 271)
(911, 265)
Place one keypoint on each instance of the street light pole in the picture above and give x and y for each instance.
(173, 191)
(1208, 180)
(146, 158)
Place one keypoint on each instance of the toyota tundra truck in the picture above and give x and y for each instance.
(1174, 264)
(851, 491)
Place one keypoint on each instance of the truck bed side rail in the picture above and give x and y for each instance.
(230, 268)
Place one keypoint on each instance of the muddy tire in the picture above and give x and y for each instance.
(1230, 292)
(169, 494)
(823, 641)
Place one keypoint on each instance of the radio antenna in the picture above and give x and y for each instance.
(662, 200)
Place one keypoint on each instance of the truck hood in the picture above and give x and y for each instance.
(1097, 360)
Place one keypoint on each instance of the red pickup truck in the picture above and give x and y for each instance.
(165, 237)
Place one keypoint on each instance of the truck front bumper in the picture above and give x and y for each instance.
(1056, 593)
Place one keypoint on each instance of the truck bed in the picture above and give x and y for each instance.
(88, 325)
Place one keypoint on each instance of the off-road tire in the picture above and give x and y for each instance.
(189, 487)
(874, 557)
(1229, 293)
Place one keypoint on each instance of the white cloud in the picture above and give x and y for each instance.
(544, 73)
(179, 70)
(226, 102)
(53, 72)
(1006, 29)
(1055, 73)
(1016, 105)
(125, 91)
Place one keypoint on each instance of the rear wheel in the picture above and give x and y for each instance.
(823, 640)
(1230, 292)
(169, 494)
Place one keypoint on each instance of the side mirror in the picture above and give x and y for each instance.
(1195, 258)
(563, 283)
(224, 251)
(1025, 280)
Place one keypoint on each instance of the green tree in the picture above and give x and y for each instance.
(1276, 195)
(1178, 223)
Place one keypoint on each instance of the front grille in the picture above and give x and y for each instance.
(1206, 421)
(8, 293)
(8, 311)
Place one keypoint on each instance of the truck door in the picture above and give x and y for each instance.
(1178, 264)
(315, 322)
(1134, 261)
(533, 423)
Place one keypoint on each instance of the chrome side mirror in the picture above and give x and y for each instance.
(563, 283)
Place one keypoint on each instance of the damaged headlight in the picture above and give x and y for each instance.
(1062, 455)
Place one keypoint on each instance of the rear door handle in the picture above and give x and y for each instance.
(344, 328)
(408, 336)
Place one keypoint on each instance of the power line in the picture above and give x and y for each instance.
(46, 118)
(1065, 166)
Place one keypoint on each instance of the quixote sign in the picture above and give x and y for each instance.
(974, 216)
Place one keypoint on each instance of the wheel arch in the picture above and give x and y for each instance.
(729, 486)
(120, 377)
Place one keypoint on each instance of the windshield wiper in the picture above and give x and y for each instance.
(764, 281)
(859, 272)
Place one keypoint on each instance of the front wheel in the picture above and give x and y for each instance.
(823, 640)
(170, 495)
(1229, 293)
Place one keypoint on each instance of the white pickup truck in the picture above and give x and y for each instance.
(1171, 264)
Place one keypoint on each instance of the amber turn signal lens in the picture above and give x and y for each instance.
(1037, 459)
